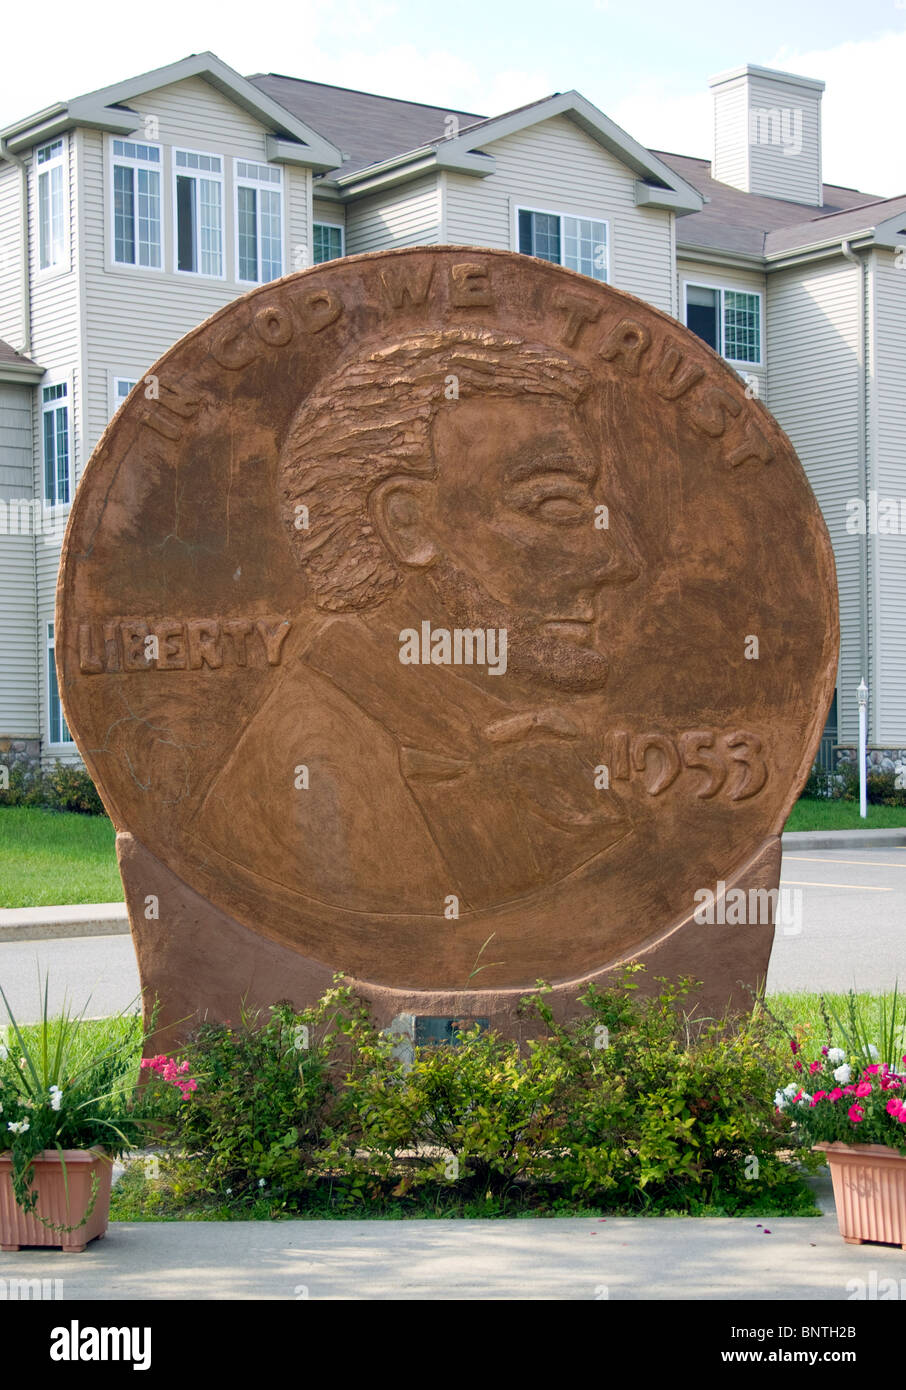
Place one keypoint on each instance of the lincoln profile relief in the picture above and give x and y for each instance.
(449, 484)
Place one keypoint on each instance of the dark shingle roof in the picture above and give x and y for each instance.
(372, 128)
(9, 354)
(736, 221)
(366, 127)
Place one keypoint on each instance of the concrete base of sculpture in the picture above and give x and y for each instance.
(203, 964)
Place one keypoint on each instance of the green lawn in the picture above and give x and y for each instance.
(817, 813)
(802, 1013)
(52, 858)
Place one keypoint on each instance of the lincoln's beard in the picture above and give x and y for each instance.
(537, 656)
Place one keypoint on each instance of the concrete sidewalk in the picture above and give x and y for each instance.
(618, 1258)
(82, 919)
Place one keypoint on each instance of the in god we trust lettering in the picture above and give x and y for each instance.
(630, 347)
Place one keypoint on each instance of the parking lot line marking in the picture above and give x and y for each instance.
(869, 863)
(859, 887)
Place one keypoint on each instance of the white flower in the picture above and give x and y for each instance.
(56, 1096)
(836, 1055)
(780, 1100)
(261, 1182)
(792, 1089)
(229, 1192)
(4, 1052)
(843, 1074)
(872, 1051)
(18, 1126)
(804, 1098)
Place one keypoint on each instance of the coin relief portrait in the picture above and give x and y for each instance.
(443, 595)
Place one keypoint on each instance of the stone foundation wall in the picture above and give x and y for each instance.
(15, 752)
(878, 760)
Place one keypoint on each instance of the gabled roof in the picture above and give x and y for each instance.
(16, 367)
(883, 222)
(749, 225)
(385, 137)
(367, 129)
(108, 108)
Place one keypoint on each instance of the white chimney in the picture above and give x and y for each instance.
(767, 133)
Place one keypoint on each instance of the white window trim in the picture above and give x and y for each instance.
(42, 408)
(245, 182)
(561, 213)
(323, 222)
(50, 646)
(115, 378)
(63, 266)
(127, 267)
(175, 173)
(734, 289)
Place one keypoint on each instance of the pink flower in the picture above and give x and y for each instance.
(863, 1088)
(825, 1050)
(819, 1095)
(855, 1113)
(835, 1094)
(872, 1070)
(815, 1066)
(794, 1047)
(894, 1106)
(797, 1066)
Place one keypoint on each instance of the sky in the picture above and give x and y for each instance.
(646, 63)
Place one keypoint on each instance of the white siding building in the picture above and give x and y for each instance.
(129, 215)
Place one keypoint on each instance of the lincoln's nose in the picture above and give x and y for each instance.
(621, 561)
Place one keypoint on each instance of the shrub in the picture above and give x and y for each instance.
(63, 787)
(635, 1104)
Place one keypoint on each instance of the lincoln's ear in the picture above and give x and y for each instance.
(400, 510)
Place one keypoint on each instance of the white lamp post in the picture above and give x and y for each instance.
(863, 750)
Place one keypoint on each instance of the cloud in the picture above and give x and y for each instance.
(862, 109)
(862, 122)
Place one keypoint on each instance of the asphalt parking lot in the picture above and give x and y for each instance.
(846, 930)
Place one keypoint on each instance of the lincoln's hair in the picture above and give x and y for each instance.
(370, 420)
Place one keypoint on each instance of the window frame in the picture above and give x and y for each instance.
(126, 160)
(177, 173)
(51, 667)
(46, 408)
(115, 380)
(722, 287)
(61, 162)
(243, 181)
(561, 213)
(334, 226)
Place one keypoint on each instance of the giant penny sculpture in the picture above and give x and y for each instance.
(451, 620)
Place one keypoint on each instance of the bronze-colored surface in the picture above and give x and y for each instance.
(428, 437)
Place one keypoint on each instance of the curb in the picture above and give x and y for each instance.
(894, 838)
(82, 919)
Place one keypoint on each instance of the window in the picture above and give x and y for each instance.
(57, 731)
(579, 243)
(50, 161)
(122, 385)
(136, 204)
(327, 242)
(259, 222)
(729, 321)
(55, 433)
(199, 213)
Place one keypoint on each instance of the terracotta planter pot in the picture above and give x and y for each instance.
(869, 1192)
(18, 1228)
